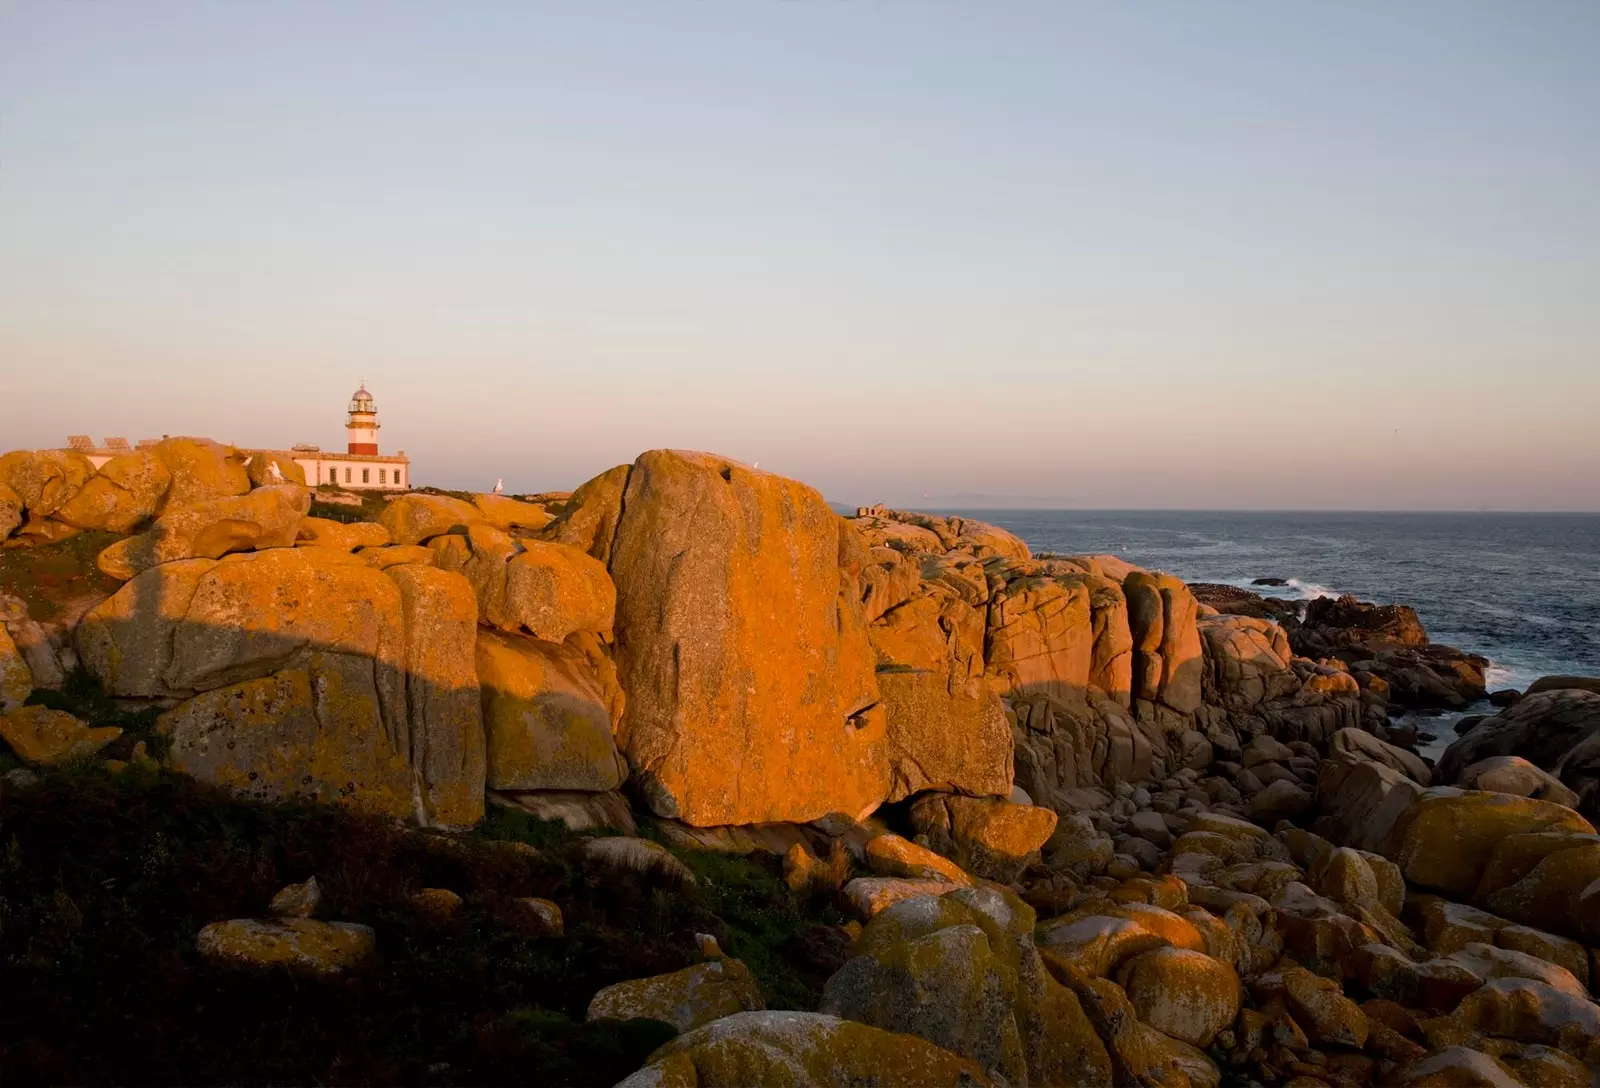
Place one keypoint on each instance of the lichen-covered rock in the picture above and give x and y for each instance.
(988, 837)
(1097, 944)
(417, 518)
(742, 645)
(1167, 656)
(891, 855)
(317, 948)
(1458, 1067)
(589, 522)
(543, 918)
(946, 728)
(12, 511)
(268, 517)
(1550, 895)
(1360, 801)
(509, 514)
(346, 536)
(1445, 838)
(947, 986)
(1187, 995)
(1317, 1004)
(1139, 1053)
(44, 480)
(1560, 951)
(201, 470)
(802, 1049)
(16, 678)
(1491, 962)
(553, 591)
(868, 895)
(396, 554)
(126, 491)
(317, 676)
(1515, 775)
(43, 737)
(1522, 1009)
(548, 712)
(961, 970)
(686, 999)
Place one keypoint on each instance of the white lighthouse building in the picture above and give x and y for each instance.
(361, 466)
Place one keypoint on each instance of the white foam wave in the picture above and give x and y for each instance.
(1293, 589)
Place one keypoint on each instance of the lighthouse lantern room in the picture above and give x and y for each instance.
(362, 423)
(361, 467)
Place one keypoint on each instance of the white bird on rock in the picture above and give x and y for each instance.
(500, 487)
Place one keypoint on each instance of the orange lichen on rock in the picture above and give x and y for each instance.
(743, 648)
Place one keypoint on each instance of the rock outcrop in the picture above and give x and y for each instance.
(742, 645)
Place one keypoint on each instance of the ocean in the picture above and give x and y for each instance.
(1523, 590)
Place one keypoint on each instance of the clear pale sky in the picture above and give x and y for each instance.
(1240, 255)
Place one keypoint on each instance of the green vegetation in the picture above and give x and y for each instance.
(106, 879)
(50, 576)
(372, 504)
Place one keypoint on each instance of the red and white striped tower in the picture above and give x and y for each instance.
(362, 424)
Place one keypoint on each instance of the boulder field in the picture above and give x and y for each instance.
(1096, 826)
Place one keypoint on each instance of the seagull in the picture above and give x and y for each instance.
(500, 486)
(274, 473)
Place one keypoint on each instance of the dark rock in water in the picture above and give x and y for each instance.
(1269, 581)
(1468, 724)
(1504, 697)
(1389, 642)
(1565, 683)
(1233, 601)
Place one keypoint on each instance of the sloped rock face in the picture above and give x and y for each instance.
(1445, 838)
(1249, 659)
(742, 645)
(946, 728)
(418, 518)
(268, 517)
(16, 679)
(548, 715)
(306, 672)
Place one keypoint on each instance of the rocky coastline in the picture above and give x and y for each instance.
(1079, 823)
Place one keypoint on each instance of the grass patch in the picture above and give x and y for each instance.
(105, 880)
(49, 575)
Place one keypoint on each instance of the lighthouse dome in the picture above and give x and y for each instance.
(361, 400)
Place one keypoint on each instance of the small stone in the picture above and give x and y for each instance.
(540, 917)
(709, 948)
(297, 900)
(436, 903)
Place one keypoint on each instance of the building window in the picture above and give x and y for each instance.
(397, 482)
(366, 475)
(333, 475)
(346, 475)
(383, 475)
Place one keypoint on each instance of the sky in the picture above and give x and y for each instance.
(1239, 255)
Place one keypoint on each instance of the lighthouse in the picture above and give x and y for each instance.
(361, 467)
(361, 425)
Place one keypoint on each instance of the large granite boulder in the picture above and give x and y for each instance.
(1443, 840)
(802, 1048)
(126, 491)
(417, 518)
(961, 970)
(44, 480)
(987, 836)
(201, 470)
(268, 517)
(511, 515)
(1040, 636)
(548, 713)
(686, 999)
(306, 672)
(1167, 657)
(1247, 660)
(742, 645)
